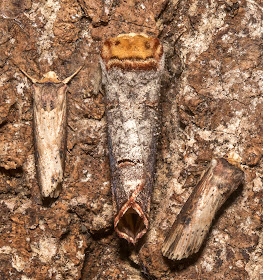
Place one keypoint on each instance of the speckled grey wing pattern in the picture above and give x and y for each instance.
(132, 131)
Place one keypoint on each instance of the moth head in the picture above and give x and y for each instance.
(132, 52)
(233, 158)
(51, 77)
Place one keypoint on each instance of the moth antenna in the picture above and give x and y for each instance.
(33, 80)
(73, 75)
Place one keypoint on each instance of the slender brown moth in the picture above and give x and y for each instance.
(132, 65)
(50, 120)
(193, 222)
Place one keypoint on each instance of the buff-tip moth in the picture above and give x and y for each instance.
(132, 65)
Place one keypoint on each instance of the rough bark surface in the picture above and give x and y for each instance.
(211, 103)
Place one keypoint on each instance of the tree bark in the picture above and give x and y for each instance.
(211, 104)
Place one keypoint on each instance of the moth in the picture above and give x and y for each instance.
(132, 65)
(49, 126)
(194, 220)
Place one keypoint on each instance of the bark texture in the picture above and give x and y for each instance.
(211, 103)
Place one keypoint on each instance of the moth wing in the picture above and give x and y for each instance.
(193, 222)
(50, 137)
(187, 235)
(50, 126)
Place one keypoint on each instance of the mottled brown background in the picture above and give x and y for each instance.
(211, 104)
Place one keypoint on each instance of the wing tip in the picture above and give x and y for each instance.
(182, 242)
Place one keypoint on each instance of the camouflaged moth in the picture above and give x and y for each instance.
(194, 221)
(50, 120)
(132, 65)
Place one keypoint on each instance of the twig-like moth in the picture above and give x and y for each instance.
(132, 65)
(50, 120)
(193, 222)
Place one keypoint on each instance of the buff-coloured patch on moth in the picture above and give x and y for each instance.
(194, 220)
(50, 120)
(132, 65)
